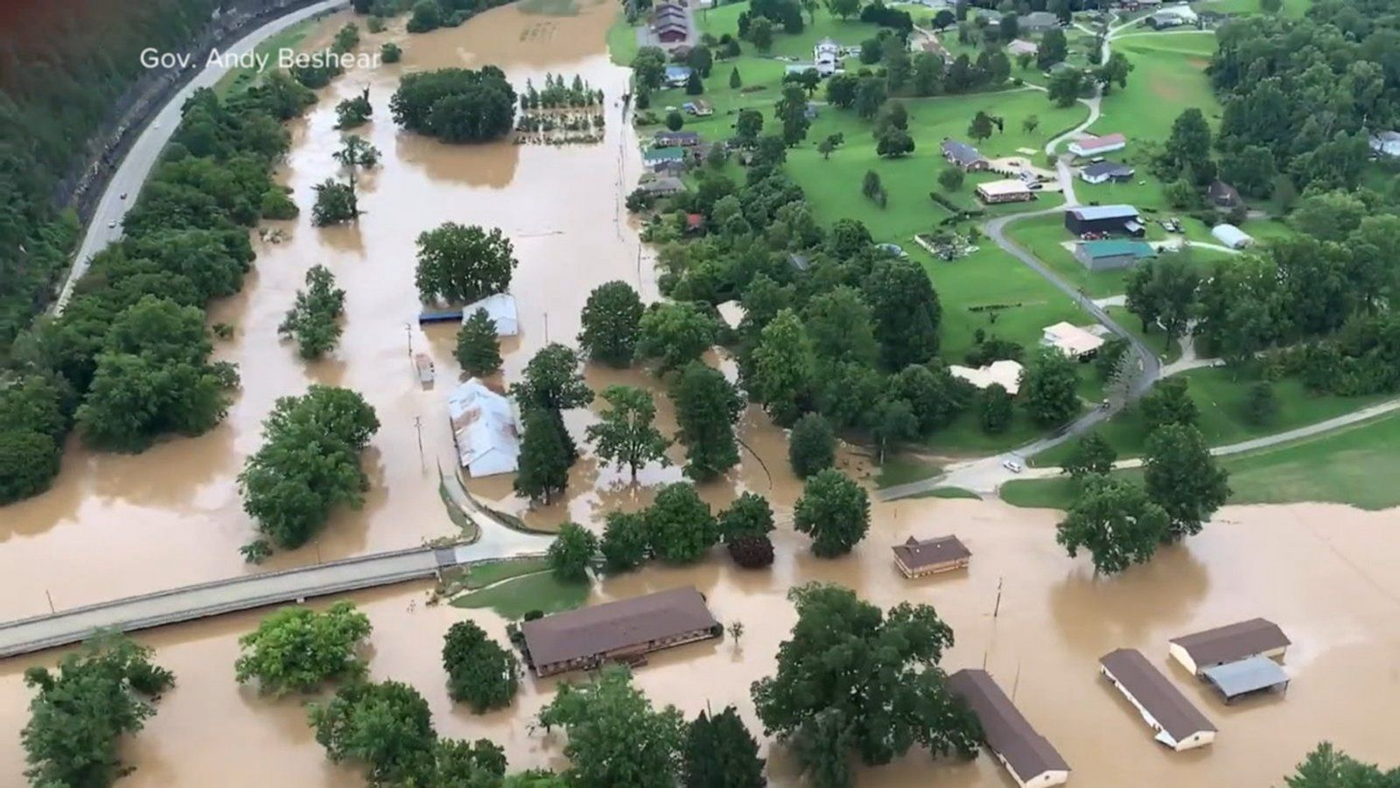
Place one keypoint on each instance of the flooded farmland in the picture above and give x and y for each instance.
(117, 525)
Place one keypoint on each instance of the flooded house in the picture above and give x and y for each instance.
(625, 631)
(484, 429)
(1257, 637)
(917, 558)
(1177, 721)
(1029, 757)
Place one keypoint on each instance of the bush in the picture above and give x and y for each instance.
(752, 551)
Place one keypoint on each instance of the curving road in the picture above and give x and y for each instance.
(105, 225)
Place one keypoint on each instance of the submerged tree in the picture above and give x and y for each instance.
(707, 408)
(611, 319)
(719, 752)
(625, 433)
(1115, 522)
(297, 649)
(571, 552)
(314, 319)
(336, 203)
(478, 348)
(1183, 478)
(460, 264)
(834, 510)
(480, 672)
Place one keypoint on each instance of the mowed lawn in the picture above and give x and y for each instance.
(1168, 77)
(1291, 8)
(1221, 398)
(1355, 465)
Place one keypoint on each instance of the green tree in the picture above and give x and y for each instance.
(649, 68)
(552, 381)
(1328, 767)
(680, 528)
(571, 552)
(1115, 522)
(29, 461)
(1049, 388)
(386, 728)
(615, 736)
(611, 321)
(1091, 455)
(735, 81)
(700, 60)
(389, 52)
(336, 203)
(994, 411)
(870, 96)
(309, 463)
(1260, 407)
(871, 187)
(981, 126)
(791, 111)
(1066, 86)
(354, 112)
(478, 764)
(85, 708)
(845, 9)
(314, 318)
(355, 151)
(1253, 171)
(694, 86)
(761, 33)
(675, 121)
(749, 515)
(1113, 72)
(782, 367)
(1182, 477)
(812, 445)
(675, 334)
(624, 545)
(480, 672)
(841, 90)
(625, 433)
(719, 752)
(834, 510)
(951, 178)
(1053, 49)
(545, 456)
(906, 311)
(894, 143)
(463, 264)
(1187, 150)
(1169, 402)
(927, 78)
(840, 326)
(297, 649)
(707, 408)
(478, 348)
(748, 126)
(846, 657)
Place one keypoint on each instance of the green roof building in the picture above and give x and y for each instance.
(1112, 254)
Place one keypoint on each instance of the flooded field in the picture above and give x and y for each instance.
(1323, 573)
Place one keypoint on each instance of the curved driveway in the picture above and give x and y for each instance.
(105, 225)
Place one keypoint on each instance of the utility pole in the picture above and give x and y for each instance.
(50, 598)
(546, 328)
(408, 334)
(997, 608)
(418, 425)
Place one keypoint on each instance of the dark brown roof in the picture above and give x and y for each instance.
(604, 628)
(1154, 692)
(938, 550)
(1233, 642)
(1003, 727)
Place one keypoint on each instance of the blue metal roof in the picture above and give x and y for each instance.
(1247, 675)
(1092, 212)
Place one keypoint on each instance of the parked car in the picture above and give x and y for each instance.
(1012, 464)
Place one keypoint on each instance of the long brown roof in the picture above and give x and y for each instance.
(1233, 642)
(601, 629)
(1177, 715)
(1003, 727)
(938, 550)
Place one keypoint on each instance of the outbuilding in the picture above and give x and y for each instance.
(677, 76)
(684, 139)
(1031, 760)
(1105, 219)
(501, 309)
(1257, 637)
(1105, 171)
(1231, 236)
(916, 558)
(662, 187)
(1178, 723)
(1073, 341)
(1020, 47)
(1385, 143)
(1039, 21)
(1008, 190)
(1098, 146)
(1110, 255)
(1246, 676)
(483, 429)
(1223, 195)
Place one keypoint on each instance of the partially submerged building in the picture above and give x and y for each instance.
(1031, 760)
(1246, 676)
(1257, 637)
(916, 558)
(484, 430)
(502, 311)
(1177, 721)
(624, 630)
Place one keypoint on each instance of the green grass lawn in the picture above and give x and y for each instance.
(1355, 465)
(1168, 77)
(1291, 8)
(1220, 398)
(622, 40)
(514, 598)
(244, 78)
(484, 574)
(905, 468)
(1154, 338)
(949, 492)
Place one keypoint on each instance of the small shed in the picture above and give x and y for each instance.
(1246, 676)
(483, 429)
(1222, 194)
(1257, 637)
(501, 309)
(1231, 236)
(1071, 340)
(1178, 723)
(916, 558)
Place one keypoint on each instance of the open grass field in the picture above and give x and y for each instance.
(1220, 397)
(1291, 8)
(243, 78)
(514, 598)
(1355, 465)
(622, 40)
(1168, 77)
(1154, 338)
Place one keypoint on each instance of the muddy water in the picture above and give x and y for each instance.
(115, 525)
(1324, 573)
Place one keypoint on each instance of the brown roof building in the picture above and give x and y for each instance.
(1179, 724)
(1257, 637)
(623, 630)
(940, 554)
(1030, 759)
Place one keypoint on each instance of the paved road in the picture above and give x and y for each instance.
(105, 226)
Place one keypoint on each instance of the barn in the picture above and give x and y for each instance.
(1105, 219)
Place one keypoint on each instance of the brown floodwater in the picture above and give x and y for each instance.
(116, 525)
(1324, 573)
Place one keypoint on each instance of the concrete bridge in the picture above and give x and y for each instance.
(227, 596)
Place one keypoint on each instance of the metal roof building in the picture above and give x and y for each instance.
(1028, 756)
(502, 311)
(1179, 724)
(484, 430)
(1257, 637)
(1104, 219)
(1234, 679)
(1111, 254)
(1231, 236)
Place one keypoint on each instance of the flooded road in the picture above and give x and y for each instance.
(1324, 573)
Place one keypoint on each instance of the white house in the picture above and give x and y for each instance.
(827, 57)
(1029, 757)
(1387, 143)
(1231, 236)
(500, 308)
(484, 429)
(1098, 146)
(1178, 723)
(1257, 637)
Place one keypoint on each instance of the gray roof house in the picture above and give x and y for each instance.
(1030, 758)
(963, 155)
(1179, 724)
(1105, 171)
(1039, 21)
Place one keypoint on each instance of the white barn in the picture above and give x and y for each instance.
(501, 309)
(484, 429)
(1231, 236)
